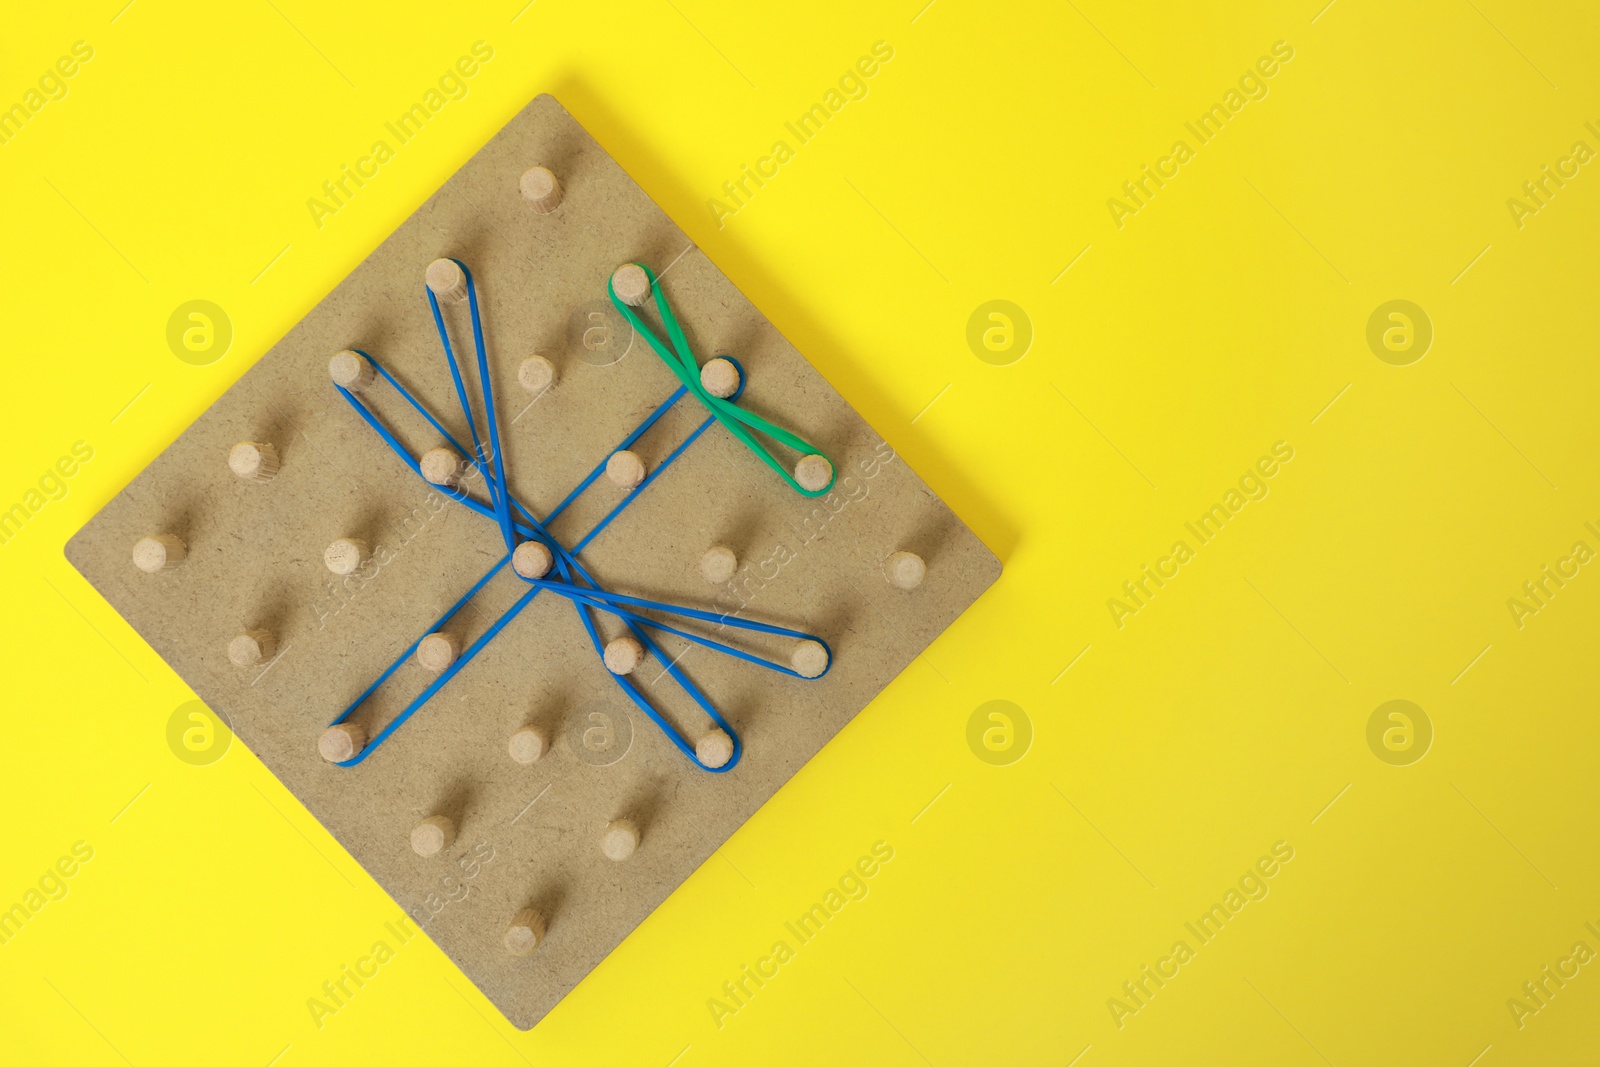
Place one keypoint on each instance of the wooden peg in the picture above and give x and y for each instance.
(536, 374)
(809, 659)
(619, 840)
(715, 749)
(437, 651)
(158, 552)
(525, 933)
(720, 377)
(447, 281)
(433, 835)
(623, 655)
(441, 466)
(905, 570)
(625, 468)
(253, 461)
(351, 370)
(540, 189)
(527, 745)
(251, 648)
(813, 472)
(341, 741)
(719, 564)
(631, 284)
(345, 556)
(532, 559)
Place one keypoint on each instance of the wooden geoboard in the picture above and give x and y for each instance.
(528, 835)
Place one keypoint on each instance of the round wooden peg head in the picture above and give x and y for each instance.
(631, 284)
(525, 933)
(341, 741)
(809, 659)
(535, 374)
(719, 564)
(527, 745)
(441, 466)
(251, 648)
(905, 570)
(433, 835)
(715, 749)
(532, 559)
(158, 552)
(447, 280)
(623, 655)
(619, 840)
(719, 377)
(541, 189)
(253, 461)
(351, 370)
(625, 468)
(813, 473)
(437, 651)
(345, 556)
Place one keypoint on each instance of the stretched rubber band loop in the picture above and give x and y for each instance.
(498, 490)
(679, 359)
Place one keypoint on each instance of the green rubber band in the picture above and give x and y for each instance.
(739, 422)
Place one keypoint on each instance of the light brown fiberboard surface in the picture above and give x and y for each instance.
(528, 835)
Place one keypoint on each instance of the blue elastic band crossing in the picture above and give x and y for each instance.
(587, 597)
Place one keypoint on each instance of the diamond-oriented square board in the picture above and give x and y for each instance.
(528, 835)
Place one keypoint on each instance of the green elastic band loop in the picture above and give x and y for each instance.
(680, 360)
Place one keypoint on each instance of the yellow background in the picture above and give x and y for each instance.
(1228, 314)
